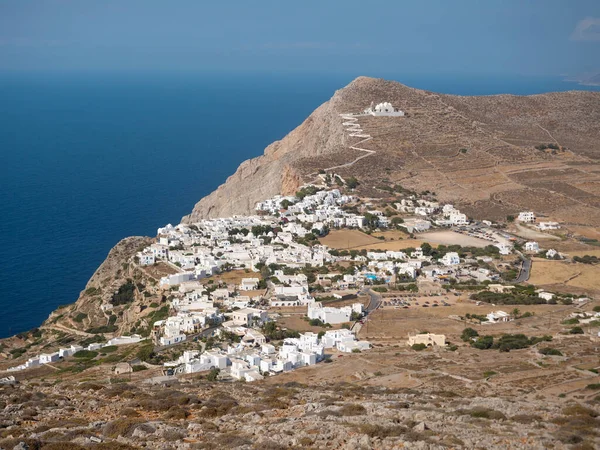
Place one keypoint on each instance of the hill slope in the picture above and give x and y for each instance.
(500, 170)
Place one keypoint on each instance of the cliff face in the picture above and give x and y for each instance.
(274, 172)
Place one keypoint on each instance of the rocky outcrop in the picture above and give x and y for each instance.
(114, 271)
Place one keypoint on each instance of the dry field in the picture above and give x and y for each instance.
(159, 270)
(295, 321)
(452, 238)
(395, 245)
(591, 252)
(583, 276)
(357, 240)
(588, 232)
(391, 235)
(530, 233)
(346, 239)
(392, 326)
(234, 277)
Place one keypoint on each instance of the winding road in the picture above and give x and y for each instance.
(525, 269)
(352, 125)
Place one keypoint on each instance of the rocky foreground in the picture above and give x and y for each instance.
(196, 414)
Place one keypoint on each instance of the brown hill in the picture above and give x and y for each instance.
(500, 171)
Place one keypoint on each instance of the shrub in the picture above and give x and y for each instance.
(80, 317)
(352, 409)
(418, 347)
(145, 352)
(218, 406)
(120, 427)
(124, 295)
(109, 349)
(593, 386)
(550, 351)
(579, 410)
(576, 330)
(139, 368)
(485, 413)
(483, 342)
(176, 413)
(571, 321)
(87, 354)
(213, 375)
(468, 334)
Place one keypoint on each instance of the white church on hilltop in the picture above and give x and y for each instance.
(384, 109)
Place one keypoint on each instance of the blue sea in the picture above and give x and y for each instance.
(90, 158)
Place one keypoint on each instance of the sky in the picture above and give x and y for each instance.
(520, 37)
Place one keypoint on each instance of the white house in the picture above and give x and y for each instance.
(248, 316)
(458, 218)
(164, 340)
(504, 248)
(544, 226)
(416, 225)
(532, 246)
(46, 358)
(498, 316)
(526, 217)
(450, 259)
(145, 258)
(545, 295)
(384, 109)
(249, 284)
(333, 315)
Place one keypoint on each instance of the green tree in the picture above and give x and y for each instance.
(352, 183)
(427, 249)
(468, 334)
(146, 352)
(213, 375)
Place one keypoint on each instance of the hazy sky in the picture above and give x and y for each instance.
(547, 37)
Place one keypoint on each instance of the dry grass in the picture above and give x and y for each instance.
(556, 272)
(345, 239)
(452, 238)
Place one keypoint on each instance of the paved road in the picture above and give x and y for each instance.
(374, 302)
(525, 269)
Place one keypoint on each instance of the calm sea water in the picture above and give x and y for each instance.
(87, 159)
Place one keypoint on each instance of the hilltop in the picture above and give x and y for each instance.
(492, 155)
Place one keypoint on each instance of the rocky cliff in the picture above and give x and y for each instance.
(272, 173)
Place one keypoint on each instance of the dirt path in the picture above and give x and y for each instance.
(352, 125)
(66, 330)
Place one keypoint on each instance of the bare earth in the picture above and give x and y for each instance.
(452, 238)
(556, 272)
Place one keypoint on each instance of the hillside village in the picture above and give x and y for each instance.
(284, 265)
